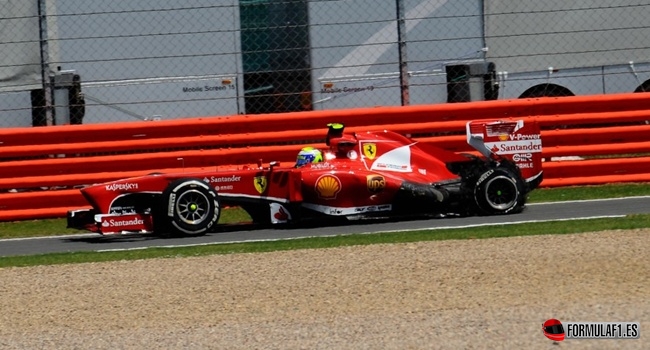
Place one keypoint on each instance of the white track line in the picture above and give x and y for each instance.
(362, 233)
(81, 235)
(90, 235)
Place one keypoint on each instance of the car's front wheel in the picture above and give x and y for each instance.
(190, 207)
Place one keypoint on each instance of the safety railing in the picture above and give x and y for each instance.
(586, 140)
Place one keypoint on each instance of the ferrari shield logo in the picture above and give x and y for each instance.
(260, 183)
(370, 150)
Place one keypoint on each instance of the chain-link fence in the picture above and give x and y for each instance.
(96, 61)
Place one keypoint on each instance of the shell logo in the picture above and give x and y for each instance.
(328, 186)
(503, 137)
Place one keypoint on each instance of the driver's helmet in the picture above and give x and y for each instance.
(308, 155)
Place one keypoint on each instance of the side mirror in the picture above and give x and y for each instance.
(274, 164)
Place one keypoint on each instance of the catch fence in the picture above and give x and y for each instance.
(95, 62)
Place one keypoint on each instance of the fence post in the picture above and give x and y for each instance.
(401, 47)
(45, 62)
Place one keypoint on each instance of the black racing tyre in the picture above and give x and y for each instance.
(189, 207)
(500, 191)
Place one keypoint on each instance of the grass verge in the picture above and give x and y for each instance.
(51, 227)
(589, 192)
(553, 227)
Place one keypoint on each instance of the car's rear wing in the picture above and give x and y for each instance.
(514, 140)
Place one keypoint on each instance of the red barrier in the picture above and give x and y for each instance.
(145, 161)
(43, 213)
(34, 159)
(364, 117)
(47, 199)
(35, 182)
(597, 167)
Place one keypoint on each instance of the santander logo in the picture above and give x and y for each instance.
(281, 215)
(122, 223)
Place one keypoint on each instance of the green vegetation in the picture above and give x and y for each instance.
(589, 192)
(54, 227)
(34, 228)
(554, 227)
(51, 227)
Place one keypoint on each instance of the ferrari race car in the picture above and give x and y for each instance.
(362, 175)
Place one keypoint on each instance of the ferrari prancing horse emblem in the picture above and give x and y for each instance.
(260, 183)
(370, 150)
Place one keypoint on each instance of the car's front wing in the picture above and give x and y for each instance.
(110, 224)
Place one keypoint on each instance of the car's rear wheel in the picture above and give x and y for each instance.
(499, 191)
(190, 207)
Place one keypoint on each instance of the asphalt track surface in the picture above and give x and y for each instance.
(573, 210)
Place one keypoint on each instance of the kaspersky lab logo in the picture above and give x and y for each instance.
(554, 329)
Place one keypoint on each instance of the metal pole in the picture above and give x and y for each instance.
(236, 24)
(45, 62)
(401, 47)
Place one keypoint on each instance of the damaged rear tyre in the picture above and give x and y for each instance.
(499, 191)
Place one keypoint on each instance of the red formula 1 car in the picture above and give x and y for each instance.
(369, 174)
